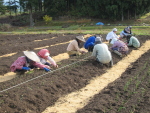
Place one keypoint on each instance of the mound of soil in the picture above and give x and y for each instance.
(36, 94)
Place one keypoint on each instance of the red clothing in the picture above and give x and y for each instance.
(21, 62)
(42, 53)
(43, 57)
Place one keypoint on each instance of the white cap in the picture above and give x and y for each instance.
(47, 54)
(115, 29)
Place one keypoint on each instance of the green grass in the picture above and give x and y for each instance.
(137, 30)
(84, 26)
(145, 16)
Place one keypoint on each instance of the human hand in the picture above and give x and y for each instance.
(26, 68)
(56, 66)
(46, 69)
(120, 38)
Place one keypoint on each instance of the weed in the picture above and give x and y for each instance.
(5, 27)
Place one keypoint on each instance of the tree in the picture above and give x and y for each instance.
(2, 8)
(29, 5)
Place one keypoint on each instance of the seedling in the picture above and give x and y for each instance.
(137, 84)
(143, 91)
(30, 72)
(126, 85)
(120, 108)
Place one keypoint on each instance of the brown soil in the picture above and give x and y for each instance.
(34, 96)
(128, 94)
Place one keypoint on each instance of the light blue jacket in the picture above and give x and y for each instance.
(134, 42)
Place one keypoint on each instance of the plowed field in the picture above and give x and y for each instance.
(79, 85)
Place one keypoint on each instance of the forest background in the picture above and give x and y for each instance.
(29, 12)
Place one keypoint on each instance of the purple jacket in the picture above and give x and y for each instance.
(121, 46)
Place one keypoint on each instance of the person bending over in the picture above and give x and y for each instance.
(112, 35)
(73, 48)
(27, 62)
(101, 52)
(127, 31)
(119, 47)
(133, 41)
(44, 55)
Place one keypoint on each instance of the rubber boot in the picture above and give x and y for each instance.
(111, 63)
(118, 53)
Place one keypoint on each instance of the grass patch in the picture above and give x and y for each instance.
(145, 16)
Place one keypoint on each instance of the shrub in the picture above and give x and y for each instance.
(21, 20)
(47, 19)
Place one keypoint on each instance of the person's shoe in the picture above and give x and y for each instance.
(118, 53)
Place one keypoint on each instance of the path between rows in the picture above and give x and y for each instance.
(58, 58)
(77, 100)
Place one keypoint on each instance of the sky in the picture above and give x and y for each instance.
(8, 1)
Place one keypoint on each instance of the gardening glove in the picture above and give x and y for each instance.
(46, 69)
(26, 68)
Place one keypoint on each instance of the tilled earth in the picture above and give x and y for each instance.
(130, 93)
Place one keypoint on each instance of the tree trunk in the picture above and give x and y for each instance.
(135, 14)
(9, 8)
(122, 17)
(128, 14)
(31, 19)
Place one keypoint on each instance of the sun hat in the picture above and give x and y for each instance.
(31, 55)
(113, 40)
(98, 39)
(81, 38)
(43, 53)
(114, 29)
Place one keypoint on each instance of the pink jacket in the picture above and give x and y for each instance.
(21, 62)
